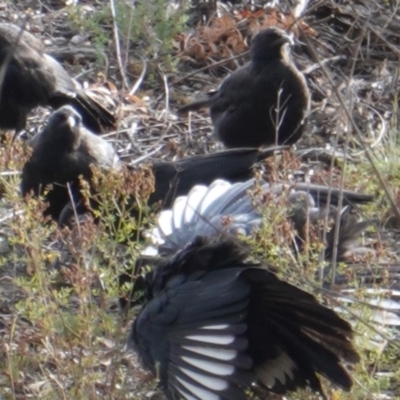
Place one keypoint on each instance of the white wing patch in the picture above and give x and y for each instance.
(220, 339)
(216, 327)
(210, 382)
(219, 354)
(194, 199)
(203, 211)
(178, 211)
(164, 225)
(200, 393)
(215, 191)
(210, 366)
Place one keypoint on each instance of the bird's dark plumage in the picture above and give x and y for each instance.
(63, 152)
(174, 179)
(33, 78)
(216, 326)
(244, 109)
(55, 162)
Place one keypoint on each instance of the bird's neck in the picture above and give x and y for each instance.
(275, 55)
(263, 63)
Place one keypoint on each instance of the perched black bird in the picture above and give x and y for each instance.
(217, 326)
(263, 103)
(33, 78)
(64, 150)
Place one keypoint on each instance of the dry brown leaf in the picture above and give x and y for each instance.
(134, 99)
(195, 49)
(220, 28)
(236, 43)
(249, 14)
(223, 24)
(111, 86)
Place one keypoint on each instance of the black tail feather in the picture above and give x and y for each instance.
(177, 178)
(196, 105)
(322, 194)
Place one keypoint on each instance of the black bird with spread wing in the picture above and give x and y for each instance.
(218, 326)
(237, 208)
(263, 103)
(32, 78)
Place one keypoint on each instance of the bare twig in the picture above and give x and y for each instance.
(117, 46)
(139, 80)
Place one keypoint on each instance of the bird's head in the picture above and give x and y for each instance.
(64, 129)
(269, 44)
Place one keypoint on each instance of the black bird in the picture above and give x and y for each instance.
(217, 326)
(33, 78)
(64, 150)
(263, 103)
